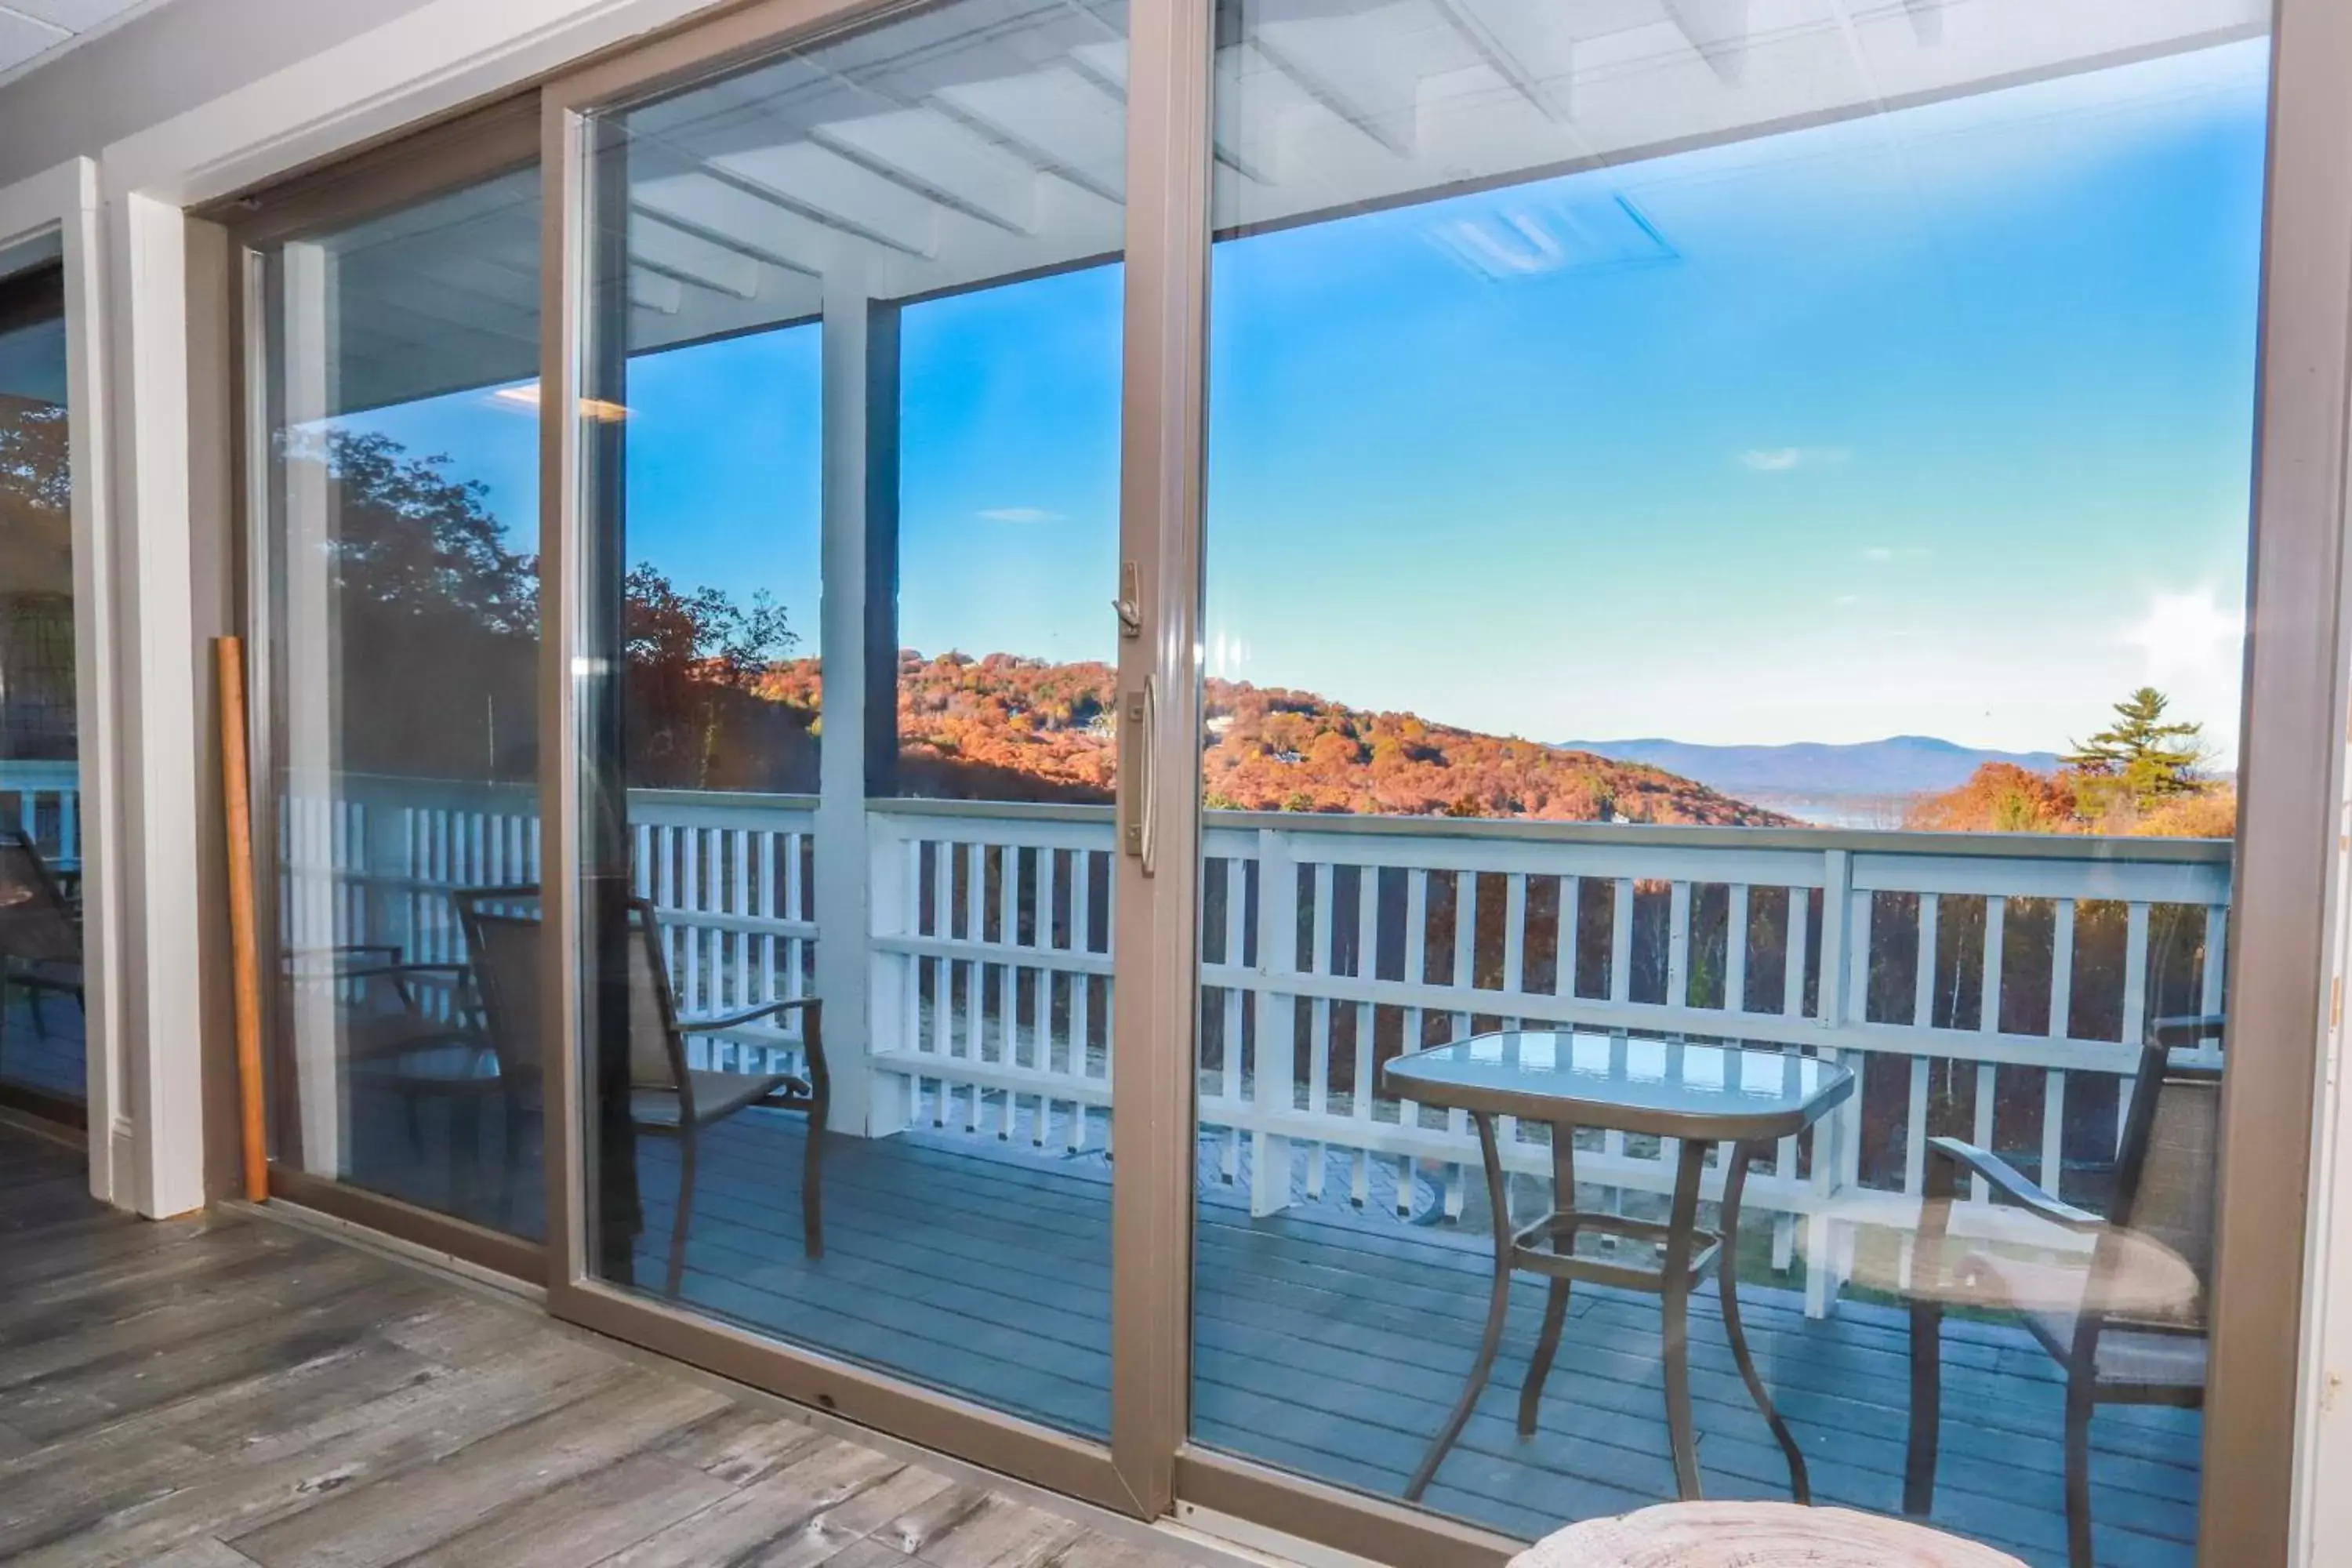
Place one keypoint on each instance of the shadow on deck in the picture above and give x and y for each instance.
(1331, 1341)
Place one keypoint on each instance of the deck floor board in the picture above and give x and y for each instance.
(1332, 1341)
(231, 1393)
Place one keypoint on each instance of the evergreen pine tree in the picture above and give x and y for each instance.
(2149, 758)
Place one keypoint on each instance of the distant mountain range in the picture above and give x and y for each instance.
(1816, 781)
(1003, 727)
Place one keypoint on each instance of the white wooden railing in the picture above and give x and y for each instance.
(989, 962)
(45, 798)
(731, 874)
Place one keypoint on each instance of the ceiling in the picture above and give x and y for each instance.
(35, 32)
(985, 140)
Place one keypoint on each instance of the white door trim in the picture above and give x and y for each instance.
(64, 200)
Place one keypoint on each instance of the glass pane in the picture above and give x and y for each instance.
(854, 306)
(41, 1022)
(402, 688)
(1722, 488)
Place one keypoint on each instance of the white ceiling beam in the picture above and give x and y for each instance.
(1341, 64)
(380, 295)
(1529, 47)
(752, 176)
(942, 160)
(1717, 29)
(1058, 118)
(827, 188)
(668, 251)
(651, 292)
(743, 245)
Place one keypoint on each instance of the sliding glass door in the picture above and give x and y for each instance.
(42, 1022)
(1721, 638)
(397, 687)
(1408, 768)
(847, 458)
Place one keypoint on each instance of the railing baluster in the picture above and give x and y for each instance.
(2210, 1000)
(1620, 980)
(1049, 882)
(1082, 985)
(1321, 916)
(1621, 942)
(1368, 966)
(1231, 1088)
(1416, 973)
(975, 996)
(1571, 900)
(1466, 982)
(2134, 1008)
(1008, 996)
(1923, 1018)
(2061, 1028)
(1277, 1010)
(1678, 944)
(1515, 977)
(1735, 948)
(1996, 930)
(943, 855)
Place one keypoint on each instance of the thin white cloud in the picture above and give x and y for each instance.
(1781, 459)
(1878, 553)
(2187, 635)
(1020, 514)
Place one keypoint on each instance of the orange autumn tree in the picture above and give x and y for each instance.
(2141, 776)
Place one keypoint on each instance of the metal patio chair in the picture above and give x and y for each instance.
(2129, 1327)
(414, 1028)
(668, 1096)
(40, 928)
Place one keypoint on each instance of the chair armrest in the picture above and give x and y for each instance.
(748, 1015)
(374, 971)
(2186, 1029)
(337, 953)
(2006, 1180)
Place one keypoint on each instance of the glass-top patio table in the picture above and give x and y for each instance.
(1702, 1096)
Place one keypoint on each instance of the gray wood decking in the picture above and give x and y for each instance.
(43, 1053)
(229, 1392)
(1332, 1342)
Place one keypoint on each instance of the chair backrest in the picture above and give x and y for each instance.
(657, 1050)
(501, 926)
(502, 932)
(37, 922)
(2167, 1168)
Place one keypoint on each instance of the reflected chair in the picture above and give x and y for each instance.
(40, 928)
(668, 1096)
(2128, 1326)
(414, 1028)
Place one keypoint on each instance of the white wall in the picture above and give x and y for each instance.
(163, 63)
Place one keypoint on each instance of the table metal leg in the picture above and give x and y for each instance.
(1675, 1319)
(1563, 1200)
(1727, 1269)
(1498, 1305)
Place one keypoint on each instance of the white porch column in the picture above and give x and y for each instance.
(843, 899)
(161, 977)
(305, 334)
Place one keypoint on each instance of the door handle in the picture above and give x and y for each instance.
(1140, 833)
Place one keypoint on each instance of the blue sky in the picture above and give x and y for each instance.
(1936, 422)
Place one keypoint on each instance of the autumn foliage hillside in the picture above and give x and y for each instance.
(2000, 797)
(1004, 727)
